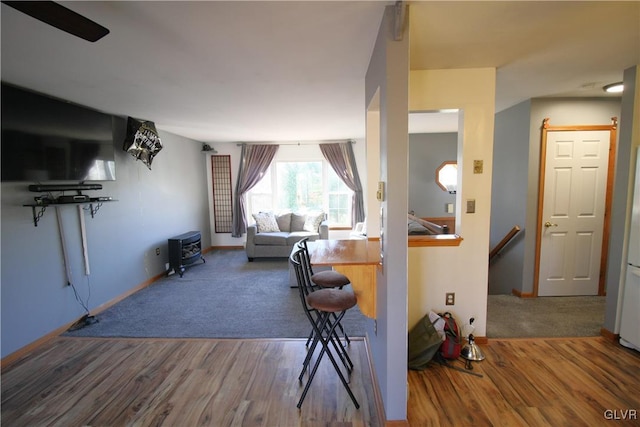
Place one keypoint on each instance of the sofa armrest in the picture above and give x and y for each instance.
(250, 245)
(324, 230)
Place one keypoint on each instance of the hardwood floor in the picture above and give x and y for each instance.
(117, 382)
(532, 382)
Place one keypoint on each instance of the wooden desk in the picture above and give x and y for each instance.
(356, 259)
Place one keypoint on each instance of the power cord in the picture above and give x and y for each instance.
(87, 319)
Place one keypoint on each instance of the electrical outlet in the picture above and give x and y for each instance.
(450, 298)
(157, 251)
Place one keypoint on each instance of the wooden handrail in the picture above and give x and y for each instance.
(506, 239)
(434, 228)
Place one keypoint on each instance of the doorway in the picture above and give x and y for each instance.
(574, 202)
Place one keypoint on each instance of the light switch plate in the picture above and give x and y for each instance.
(471, 206)
(478, 166)
(380, 192)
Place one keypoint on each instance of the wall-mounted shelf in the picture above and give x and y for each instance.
(93, 205)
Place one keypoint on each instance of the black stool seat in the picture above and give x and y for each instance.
(330, 279)
(331, 300)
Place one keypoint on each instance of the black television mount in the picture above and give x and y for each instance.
(38, 208)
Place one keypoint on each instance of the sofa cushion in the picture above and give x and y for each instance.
(284, 222)
(297, 222)
(266, 222)
(279, 238)
(295, 236)
(312, 223)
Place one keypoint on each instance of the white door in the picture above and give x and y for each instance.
(573, 212)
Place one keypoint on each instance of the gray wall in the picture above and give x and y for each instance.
(509, 195)
(620, 207)
(387, 75)
(427, 151)
(152, 206)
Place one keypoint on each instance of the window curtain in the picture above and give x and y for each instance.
(254, 161)
(341, 158)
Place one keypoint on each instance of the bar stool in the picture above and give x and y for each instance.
(327, 279)
(308, 286)
(324, 303)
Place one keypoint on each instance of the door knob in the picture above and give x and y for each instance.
(549, 224)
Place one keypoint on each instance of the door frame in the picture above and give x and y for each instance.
(612, 128)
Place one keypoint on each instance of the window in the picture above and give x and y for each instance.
(447, 176)
(340, 196)
(302, 186)
(259, 198)
(299, 186)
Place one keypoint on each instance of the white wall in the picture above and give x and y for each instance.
(152, 206)
(434, 271)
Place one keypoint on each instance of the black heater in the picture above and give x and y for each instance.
(184, 250)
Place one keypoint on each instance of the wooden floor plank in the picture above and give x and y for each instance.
(119, 382)
(535, 382)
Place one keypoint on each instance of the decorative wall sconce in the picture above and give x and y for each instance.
(447, 176)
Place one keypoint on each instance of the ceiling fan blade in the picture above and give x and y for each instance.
(62, 18)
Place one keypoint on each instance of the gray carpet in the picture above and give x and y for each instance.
(511, 317)
(226, 297)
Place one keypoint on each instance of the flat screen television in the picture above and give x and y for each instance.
(46, 139)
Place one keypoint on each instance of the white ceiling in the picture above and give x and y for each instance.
(292, 71)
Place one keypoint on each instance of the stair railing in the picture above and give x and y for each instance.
(505, 240)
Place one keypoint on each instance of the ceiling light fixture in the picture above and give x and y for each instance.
(614, 88)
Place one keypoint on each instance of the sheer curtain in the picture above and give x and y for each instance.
(341, 158)
(254, 161)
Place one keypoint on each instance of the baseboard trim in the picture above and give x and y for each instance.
(520, 294)
(211, 248)
(394, 423)
(609, 336)
(108, 304)
(480, 340)
(377, 396)
(26, 350)
(378, 402)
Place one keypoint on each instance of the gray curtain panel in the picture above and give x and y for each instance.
(254, 161)
(341, 158)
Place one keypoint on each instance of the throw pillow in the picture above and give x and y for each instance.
(297, 222)
(313, 221)
(266, 222)
(284, 222)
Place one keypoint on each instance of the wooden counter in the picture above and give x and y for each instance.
(356, 259)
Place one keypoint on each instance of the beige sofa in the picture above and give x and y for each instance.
(266, 240)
